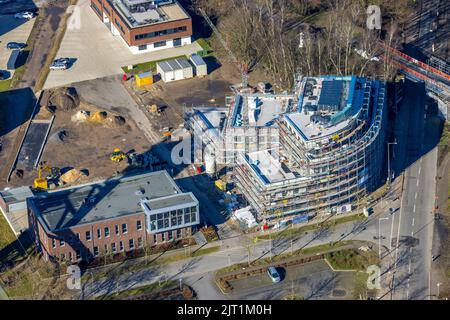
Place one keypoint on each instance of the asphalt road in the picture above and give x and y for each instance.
(413, 224)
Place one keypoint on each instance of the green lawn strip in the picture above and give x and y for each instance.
(301, 252)
(5, 85)
(351, 259)
(142, 263)
(147, 66)
(147, 289)
(6, 235)
(292, 231)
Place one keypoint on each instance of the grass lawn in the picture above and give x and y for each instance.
(147, 66)
(148, 289)
(292, 231)
(6, 234)
(351, 259)
(5, 84)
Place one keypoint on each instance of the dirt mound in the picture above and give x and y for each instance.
(63, 99)
(72, 176)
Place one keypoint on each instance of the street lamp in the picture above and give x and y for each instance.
(379, 235)
(389, 161)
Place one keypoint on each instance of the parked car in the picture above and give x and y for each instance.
(273, 274)
(58, 66)
(24, 15)
(4, 75)
(16, 45)
(62, 60)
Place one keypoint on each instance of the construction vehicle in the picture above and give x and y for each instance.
(118, 155)
(48, 182)
(154, 110)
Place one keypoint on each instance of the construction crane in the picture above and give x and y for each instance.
(241, 65)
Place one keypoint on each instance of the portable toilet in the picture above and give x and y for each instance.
(144, 79)
(200, 66)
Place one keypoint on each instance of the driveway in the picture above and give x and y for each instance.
(97, 52)
(12, 29)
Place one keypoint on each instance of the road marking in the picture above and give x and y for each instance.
(417, 183)
(412, 233)
(420, 169)
(414, 208)
(412, 222)
(415, 196)
(409, 267)
(410, 250)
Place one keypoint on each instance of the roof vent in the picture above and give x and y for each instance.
(140, 192)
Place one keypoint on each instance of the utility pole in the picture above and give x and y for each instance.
(379, 235)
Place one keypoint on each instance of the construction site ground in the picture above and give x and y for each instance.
(85, 145)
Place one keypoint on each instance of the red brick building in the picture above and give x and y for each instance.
(146, 25)
(116, 215)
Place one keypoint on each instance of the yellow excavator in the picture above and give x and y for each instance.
(42, 182)
(118, 155)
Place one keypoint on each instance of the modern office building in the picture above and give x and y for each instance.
(320, 149)
(331, 150)
(112, 216)
(146, 25)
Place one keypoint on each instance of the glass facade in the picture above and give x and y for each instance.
(173, 219)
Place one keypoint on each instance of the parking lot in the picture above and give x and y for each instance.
(12, 29)
(96, 52)
(314, 280)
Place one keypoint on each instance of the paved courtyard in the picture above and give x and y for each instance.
(97, 51)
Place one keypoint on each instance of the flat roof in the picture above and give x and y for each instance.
(16, 195)
(268, 167)
(326, 105)
(139, 13)
(176, 64)
(100, 201)
(197, 60)
(171, 201)
(259, 110)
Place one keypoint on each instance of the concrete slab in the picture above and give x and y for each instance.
(12, 29)
(97, 51)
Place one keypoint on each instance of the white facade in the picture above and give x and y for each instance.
(151, 47)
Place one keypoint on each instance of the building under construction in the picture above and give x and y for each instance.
(317, 150)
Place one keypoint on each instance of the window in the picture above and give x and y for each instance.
(88, 236)
(170, 235)
(166, 220)
(163, 236)
(78, 235)
(121, 246)
(159, 44)
(106, 232)
(179, 235)
(193, 214)
(155, 34)
(113, 247)
(173, 218)
(106, 10)
(62, 256)
(95, 251)
(96, 9)
(142, 47)
(99, 233)
(139, 225)
(139, 242)
(106, 249)
(187, 215)
(70, 256)
(78, 254)
(131, 244)
(177, 42)
(53, 243)
(117, 229)
(124, 228)
(155, 239)
(62, 243)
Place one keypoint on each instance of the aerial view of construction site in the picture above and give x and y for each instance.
(224, 150)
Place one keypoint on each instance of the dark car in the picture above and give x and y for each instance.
(4, 75)
(16, 45)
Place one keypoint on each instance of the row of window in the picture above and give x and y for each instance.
(159, 33)
(119, 25)
(96, 9)
(173, 219)
(114, 248)
(106, 233)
